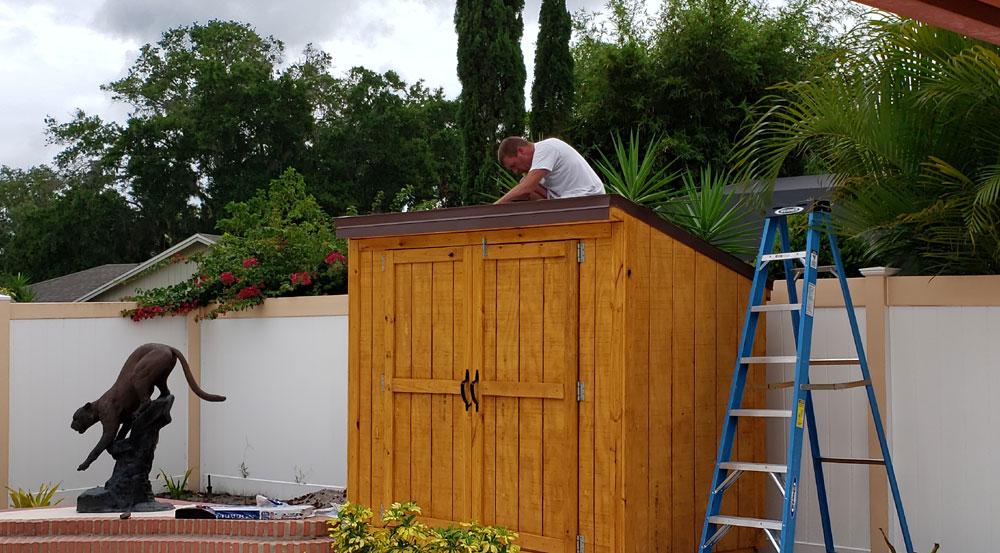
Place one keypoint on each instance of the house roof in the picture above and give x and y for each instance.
(975, 18)
(199, 238)
(89, 283)
(72, 286)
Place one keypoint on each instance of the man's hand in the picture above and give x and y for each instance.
(530, 188)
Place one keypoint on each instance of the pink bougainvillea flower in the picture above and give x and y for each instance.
(248, 292)
(227, 278)
(335, 257)
(249, 262)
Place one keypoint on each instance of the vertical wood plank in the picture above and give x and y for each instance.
(461, 440)
(616, 387)
(355, 288)
(402, 427)
(420, 404)
(367, 369)
(660, 393)
(382, 396)
(606, 418)
(471, 505)
(559, 343)
(727, 330)
(683, 438)
(442, 340)
(529, 465)
(508, 340)
(490, 407)
(587, 425)
(637, 319)
(705, 438)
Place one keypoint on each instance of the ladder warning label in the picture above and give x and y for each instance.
(813, 259)
(800, 416)
(811, 300)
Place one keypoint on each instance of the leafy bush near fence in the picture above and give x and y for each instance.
(25, 498)
(353, 532)
(279, 243)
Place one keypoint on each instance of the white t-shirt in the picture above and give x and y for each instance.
(568, 173)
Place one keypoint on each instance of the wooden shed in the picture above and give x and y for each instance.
(558, 367)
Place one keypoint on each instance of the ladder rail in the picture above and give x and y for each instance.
(866, 375)
(728, 437)
(803, 342)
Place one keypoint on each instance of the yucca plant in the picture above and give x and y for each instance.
(707, 210)
(43, 498)
(177, 487)
(632, 173)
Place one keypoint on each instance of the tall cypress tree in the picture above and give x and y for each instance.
(552, 89)
(491, 70)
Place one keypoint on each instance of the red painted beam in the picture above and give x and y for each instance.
(975, 18)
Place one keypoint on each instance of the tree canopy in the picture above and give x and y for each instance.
(491, 70)
(552, 88)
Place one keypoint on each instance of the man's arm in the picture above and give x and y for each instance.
(529, 188)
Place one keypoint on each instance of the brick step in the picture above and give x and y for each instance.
(159, 544)
(262, 530)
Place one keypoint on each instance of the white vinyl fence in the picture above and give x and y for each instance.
(281, 432)
(933, 346)
(937, 343)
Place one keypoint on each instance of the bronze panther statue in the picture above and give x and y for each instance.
(147, 367)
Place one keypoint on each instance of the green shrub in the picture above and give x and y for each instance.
(43, 498)
(353, 532)
(279, 243)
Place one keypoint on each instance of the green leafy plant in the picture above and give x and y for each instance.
(707, 210)
(353, 532)
(177, 487)
(43, 498)
(16, 286)
(279, 243)
(633, 174)
(905, 126)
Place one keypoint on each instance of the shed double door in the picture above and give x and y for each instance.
(478, 410)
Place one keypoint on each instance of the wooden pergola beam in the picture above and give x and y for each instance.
(975, 18)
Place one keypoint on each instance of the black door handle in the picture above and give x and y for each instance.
(461, 388)
(472, 388)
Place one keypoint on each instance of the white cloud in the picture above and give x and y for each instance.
(56, 54)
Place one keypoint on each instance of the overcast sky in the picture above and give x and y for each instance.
(57, 53)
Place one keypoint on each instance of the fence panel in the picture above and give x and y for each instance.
(285, 418)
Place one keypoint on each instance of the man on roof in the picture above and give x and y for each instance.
(551, 169)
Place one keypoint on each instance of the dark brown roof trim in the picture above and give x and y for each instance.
(524, 214)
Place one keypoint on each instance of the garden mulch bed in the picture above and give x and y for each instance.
(319, 499)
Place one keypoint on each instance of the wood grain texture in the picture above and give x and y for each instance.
(660, 392)
(683, 419)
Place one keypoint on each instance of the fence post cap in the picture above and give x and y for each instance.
(879, 271)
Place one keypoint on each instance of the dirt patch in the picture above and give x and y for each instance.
(319, 499)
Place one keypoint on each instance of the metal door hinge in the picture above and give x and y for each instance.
(579, 544)
(383, 381)
(383, 263)
(580, 252)
(381, 510)
(484, 248)
(580, 391)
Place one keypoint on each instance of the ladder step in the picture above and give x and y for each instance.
(820, 269)
(782, 256)
(776, 307)
(850, 461)
(773, 359)
(753, 467)
(771, 386)
(777, 413)
(853, 361)
(837, 386)
(791, 359)
(746, 522)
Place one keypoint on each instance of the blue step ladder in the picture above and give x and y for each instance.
(781, 533)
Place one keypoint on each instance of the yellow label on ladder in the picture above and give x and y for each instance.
(801, 414)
